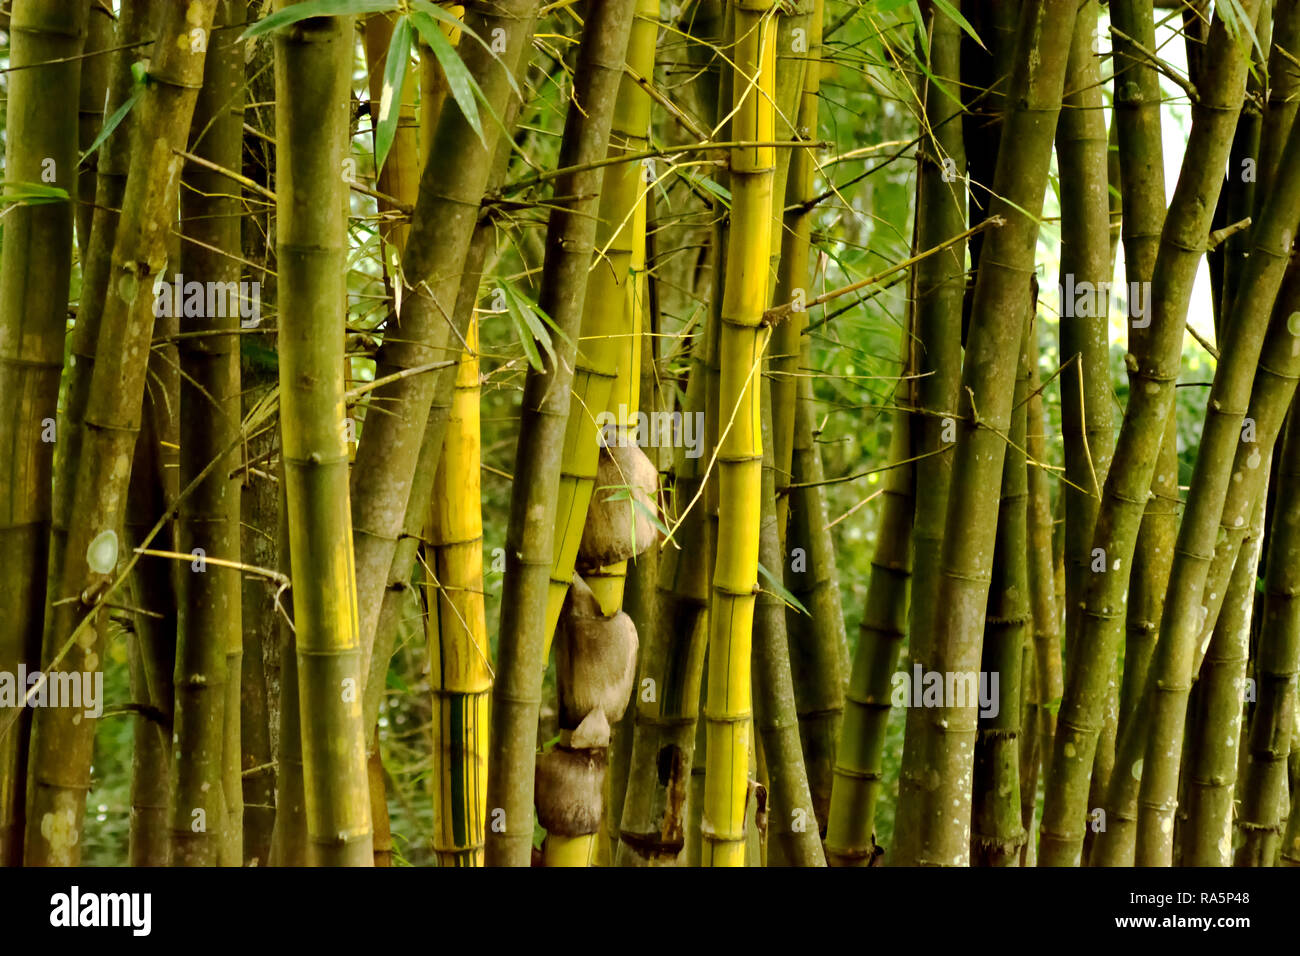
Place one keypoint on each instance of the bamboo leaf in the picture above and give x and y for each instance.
(443, 16)
(921, 34)
(530, 329)
(33, 194)
(708, 185)
(781, 591)
(315, 8)
(114, 121)
(464, 90)
(955, 15)
(390, 100)
(653, 519)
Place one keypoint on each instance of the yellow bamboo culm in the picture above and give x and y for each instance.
(728, 707)
(459, 669)
(607, 321)
(607, 583)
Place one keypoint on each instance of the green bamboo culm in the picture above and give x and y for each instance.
(1264, 785)
(570, 243)
(152, 653)
(859, 758)
(210, 638)
(935, 795)
(1140, 157)
(742, 342)
(793, 837)
(1087, 433)
(86, 547)
(35, 265)
(96, 68)
(798, 58)
(313, 61)
(1215, 727)
(997, 831)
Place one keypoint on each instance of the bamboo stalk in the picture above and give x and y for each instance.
(1241, 196)
(209, 637)
(653, 827)
(259, 500)
(1211, 773)
(818, 645)
(152, 661)
(1086, 427)
(742, 343)
(794, 839)
(940, 289)
(997, 833)
(1270, 737)
(95, 71)
(859, 767)
(459, 665)
(289, 840)
(798, 77)
(313, 59)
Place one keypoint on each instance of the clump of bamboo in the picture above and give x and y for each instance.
(35, 266)
(934, 799)
(1153, 369)
(84, 563)
(1173, 667)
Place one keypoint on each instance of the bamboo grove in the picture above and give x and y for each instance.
(650, 433)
